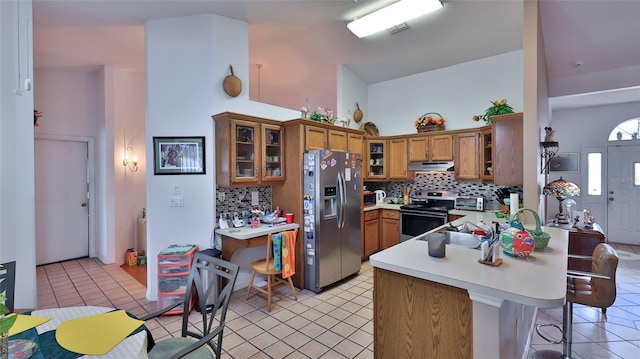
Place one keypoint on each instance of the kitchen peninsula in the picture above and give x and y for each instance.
(455, 307)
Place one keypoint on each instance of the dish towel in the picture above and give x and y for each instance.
(288, 254)
(277, 251)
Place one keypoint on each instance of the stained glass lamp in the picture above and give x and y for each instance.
(561, 189)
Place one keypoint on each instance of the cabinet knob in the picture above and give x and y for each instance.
(610, 199)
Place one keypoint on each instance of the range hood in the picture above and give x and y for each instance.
(430, 166)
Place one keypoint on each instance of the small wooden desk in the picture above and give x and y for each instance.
(582, 241)
(247, 237)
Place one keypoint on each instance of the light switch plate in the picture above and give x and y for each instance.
(255, 198)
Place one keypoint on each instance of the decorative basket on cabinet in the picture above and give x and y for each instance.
(430, 121)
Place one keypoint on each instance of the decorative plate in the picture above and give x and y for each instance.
(369, 128)
(21, 348)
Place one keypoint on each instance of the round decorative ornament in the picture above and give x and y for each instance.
(231, 84)
(516, 242)
(357, 114)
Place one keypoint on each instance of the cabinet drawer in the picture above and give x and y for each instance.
(370, 215)
(390, 213)
(172, 284)
(165, 301)
(172, 269)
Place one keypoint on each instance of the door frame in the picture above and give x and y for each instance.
(91, 177)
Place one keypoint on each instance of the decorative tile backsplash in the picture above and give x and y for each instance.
(443, 181)
(239, 199)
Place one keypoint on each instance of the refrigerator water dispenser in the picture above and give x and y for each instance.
(330, 202)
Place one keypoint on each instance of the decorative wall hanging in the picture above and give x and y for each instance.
(232, 84)
(357, 114)
(178, 156)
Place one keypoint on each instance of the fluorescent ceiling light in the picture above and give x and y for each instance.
(392, 15)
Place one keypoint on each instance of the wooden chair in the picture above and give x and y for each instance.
(211, 325)
(266, 267)
(596, 289)
(8, 283)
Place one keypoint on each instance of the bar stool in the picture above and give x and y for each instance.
(274, 276)
(596, 289)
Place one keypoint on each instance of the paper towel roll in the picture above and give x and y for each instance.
(514, 203)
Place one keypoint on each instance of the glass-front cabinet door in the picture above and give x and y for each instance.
(246, 151)
(376, 157)
(273, 153)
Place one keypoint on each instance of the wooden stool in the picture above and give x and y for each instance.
(266, 267)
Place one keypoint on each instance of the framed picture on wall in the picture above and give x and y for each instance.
(178, 156)
(565, 162)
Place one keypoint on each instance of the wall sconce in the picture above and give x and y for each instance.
(131, 164)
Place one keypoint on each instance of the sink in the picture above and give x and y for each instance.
(468, 240)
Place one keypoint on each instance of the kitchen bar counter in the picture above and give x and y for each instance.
(501, 302)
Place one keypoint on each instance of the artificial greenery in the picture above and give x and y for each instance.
(500, 107)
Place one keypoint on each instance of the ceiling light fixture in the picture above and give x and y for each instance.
(392, 15)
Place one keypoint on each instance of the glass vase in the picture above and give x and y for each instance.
(4, 345)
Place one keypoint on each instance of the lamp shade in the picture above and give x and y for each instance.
(561, 189)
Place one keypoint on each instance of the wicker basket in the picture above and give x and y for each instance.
(431, 127)
(541, 239)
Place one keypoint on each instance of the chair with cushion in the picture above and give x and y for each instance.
(202, 330)
(595, 289)
(272, 270)
(8, 283)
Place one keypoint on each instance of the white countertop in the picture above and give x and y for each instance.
(247, 232)
(381, 206)
(539, 280)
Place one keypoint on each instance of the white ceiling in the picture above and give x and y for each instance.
(312, 34)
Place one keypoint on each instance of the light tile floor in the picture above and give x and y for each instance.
(336, 323)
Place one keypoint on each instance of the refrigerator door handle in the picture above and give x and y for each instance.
(341, 198)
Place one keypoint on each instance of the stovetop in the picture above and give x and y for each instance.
(434, 201)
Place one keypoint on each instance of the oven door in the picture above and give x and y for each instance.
(415, 223)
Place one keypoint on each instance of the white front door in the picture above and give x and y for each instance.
(623, 196)
(62, 211)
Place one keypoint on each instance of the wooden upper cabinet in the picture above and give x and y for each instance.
(467, 156)
(272, 153)
(431, 148)
(338, 141)
(507, 149)
(418, 148)
(249, 150)
(486, 155)
(315, 138)
(441, 147)
(356, 143)
(375, 159)
(397, 162)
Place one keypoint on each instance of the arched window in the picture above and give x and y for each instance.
(626, 130)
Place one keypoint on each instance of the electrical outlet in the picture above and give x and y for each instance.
(221, 196)
(176, 189)
(255, 198)
(176, 201)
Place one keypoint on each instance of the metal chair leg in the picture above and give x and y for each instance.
(567, 336)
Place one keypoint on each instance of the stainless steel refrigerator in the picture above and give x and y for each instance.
(332, 190)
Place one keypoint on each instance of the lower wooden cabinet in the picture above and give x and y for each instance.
(389, 228)
(370, 233)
